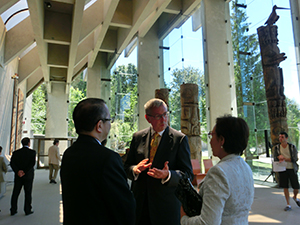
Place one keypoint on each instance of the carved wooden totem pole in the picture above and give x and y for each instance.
(190, 124)
(271, 57)
(163, 94)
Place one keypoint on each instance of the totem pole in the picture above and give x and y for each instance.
(190, 124)
(163, 94)
(271, 57)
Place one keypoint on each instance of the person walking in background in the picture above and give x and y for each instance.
(228, 188)
(94, 183)
(155, 162)
(54, 159)
(287, 152)
(22, 163)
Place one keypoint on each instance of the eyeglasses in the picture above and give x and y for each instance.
(210, 134)
(110, 119)
(159, 116)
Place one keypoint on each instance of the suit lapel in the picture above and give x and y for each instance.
(146, 142)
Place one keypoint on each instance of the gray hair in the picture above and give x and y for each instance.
(153, 103)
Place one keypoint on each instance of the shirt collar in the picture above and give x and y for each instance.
(98, 141)
(153, 132)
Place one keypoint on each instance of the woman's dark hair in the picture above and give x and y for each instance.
(235, 132)
(87, 113)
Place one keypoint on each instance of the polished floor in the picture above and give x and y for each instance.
(267, 207)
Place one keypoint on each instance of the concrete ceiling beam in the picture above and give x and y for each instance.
(18, 39)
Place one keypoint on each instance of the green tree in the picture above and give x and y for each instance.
(38, 110)
(124, 102)
(76, 96)
(293, 120)
(249, 80)
(77, 93)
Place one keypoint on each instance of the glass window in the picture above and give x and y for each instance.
(124, 102)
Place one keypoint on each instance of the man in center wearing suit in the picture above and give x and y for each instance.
(94, 183)
(156, 171)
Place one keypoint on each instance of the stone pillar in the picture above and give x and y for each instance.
(56, 118)
(190, 118)
(295, 15)
(218, 61)
(148, 72)
(98, 82)
(93, 83)
(27, 118)
(271, 57)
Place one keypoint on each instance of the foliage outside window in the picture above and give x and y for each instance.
(124, 106)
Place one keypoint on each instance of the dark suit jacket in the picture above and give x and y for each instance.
(94, 185)
(23, 159)
(164, 207)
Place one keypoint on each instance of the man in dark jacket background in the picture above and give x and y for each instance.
(22, 163)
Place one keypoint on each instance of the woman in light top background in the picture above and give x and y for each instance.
(228, 189)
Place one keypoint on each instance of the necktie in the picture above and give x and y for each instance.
(153, 146)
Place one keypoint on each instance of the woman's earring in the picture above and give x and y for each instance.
(221, 146)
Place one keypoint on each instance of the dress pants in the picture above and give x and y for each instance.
(52, 167)
(19, 183)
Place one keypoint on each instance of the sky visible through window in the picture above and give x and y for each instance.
(258, 12)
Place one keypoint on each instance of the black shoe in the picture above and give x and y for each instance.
(13, 213)
(28, 213)
(54, 182)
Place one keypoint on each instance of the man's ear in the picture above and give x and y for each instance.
(147, 118)
(222, 139)
(99, 126)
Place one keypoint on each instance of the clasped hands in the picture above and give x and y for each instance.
(281, 159)
(153, 172)
(21, 173)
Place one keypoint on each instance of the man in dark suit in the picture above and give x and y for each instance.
(156, 171)
(94, 183)
(22, 163)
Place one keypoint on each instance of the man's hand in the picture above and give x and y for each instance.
(281, 158)
(159, 174)
(21, 173)
(141, 166)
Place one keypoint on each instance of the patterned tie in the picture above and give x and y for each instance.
(153, 145)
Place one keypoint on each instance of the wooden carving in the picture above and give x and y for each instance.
(163, 94)
(273, 76)
(190, 124)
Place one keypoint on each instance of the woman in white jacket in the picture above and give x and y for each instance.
(227, 190)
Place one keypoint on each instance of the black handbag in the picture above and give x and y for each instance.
(190, 200)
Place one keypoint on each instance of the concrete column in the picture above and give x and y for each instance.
(218, 61)
(98, 79)
(148, 72)
(57, 112)
(27, 118)
(295, 12)
(56, 118)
